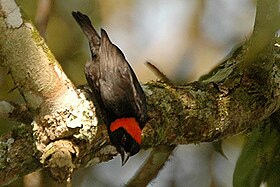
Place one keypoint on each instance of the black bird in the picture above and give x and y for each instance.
(117, 90)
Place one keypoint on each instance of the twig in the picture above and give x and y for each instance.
(153, 164)
(42, 15)
(157, 72)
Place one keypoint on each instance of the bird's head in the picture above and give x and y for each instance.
(125, 135)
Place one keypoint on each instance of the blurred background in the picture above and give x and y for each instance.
(183, 38)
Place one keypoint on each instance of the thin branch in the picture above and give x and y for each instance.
(153, 164)
(266, 25)
(43, 12)
(157, 72)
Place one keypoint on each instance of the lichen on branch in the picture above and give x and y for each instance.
(227, 101)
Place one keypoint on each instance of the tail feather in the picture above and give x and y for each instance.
(86, 26)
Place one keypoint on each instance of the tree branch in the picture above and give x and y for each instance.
(223, 103)
(43, 12)
(153, 164)
(17, 154)
(266, 25)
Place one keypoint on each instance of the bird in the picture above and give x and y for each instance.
(116, 89)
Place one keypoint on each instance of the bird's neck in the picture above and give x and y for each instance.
(130, 125)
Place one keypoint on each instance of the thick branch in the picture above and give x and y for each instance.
(33, 67)
(225, 102)
(59, 110)
(266, 25)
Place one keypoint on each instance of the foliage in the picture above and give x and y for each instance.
(259, 160)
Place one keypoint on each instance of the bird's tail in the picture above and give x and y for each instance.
(89, 31)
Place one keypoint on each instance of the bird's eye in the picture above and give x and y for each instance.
(123, 139)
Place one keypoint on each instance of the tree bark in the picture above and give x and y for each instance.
(227, 101)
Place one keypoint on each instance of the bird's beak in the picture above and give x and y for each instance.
(125, 156)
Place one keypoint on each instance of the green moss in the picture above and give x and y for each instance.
(23, 131)
(40, 42)
(3, 150)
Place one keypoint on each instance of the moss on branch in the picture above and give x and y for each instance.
(227, 101)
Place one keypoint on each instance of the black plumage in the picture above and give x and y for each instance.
(113, 83)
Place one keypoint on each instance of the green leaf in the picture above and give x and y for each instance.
(259, 159)
(273, 176)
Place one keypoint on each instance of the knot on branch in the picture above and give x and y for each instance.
(59, 156)
(53, 132)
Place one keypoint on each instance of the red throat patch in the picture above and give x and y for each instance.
(130, 125)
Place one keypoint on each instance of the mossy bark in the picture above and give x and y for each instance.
(229, 100)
